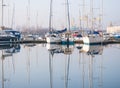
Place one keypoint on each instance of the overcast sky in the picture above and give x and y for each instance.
(111, 12)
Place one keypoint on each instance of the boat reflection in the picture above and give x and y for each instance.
(29, 45)
(68, 49)
(56, 48)
(92, 49)
(83, 48)
(64, 66)
(79, 46)
(7, 51)
(14, 49)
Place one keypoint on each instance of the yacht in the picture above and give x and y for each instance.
(94, 38)
(52, 37)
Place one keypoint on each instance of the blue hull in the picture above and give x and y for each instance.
(7, 40)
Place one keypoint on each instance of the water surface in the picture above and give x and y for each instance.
(56, 66)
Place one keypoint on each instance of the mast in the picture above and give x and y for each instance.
(102, 14)
(83, 16)
(37, 21)
(83, 9)
(2, 13)
(91, 10)
(68, 16)
(80, 18)
(28, 12)
(13, 14)
(50, 16)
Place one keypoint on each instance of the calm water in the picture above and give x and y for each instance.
(55, 66)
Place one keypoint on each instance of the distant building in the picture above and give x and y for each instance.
(113, 29)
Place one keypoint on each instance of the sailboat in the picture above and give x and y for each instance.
(52, 37)
(94, 37)
(67, 38)
(5, 38)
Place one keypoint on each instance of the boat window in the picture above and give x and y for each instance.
(53, 36)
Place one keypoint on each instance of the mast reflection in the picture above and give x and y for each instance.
(7, 51)
(57, 49)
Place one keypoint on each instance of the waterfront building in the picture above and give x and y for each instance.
(113, 29)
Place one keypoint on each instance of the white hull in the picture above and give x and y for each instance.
(92, 40)
(53, 39)
(51, 47)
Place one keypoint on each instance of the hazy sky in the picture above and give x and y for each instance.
(111, 12)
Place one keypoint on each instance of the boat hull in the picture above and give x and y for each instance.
(6, 40)
(93, 40)
(53, 40)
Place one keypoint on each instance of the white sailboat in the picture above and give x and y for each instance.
(67, 38)
(52, 37)
(95, 37)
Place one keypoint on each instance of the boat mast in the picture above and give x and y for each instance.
(80, 19)
(91, 10)
(37, 21)
(50, 16)
(2, 13)
(28, 14)
(102, 14)
(13, 14)
(83, 16)
(68, 16)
